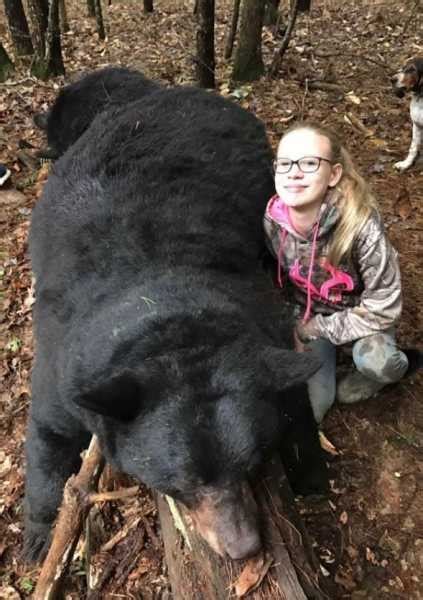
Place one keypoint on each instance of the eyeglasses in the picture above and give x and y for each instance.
(307, 164)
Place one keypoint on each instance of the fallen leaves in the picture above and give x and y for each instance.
(402, 204)
(252, 574)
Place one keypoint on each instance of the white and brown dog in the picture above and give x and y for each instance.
(410, 79)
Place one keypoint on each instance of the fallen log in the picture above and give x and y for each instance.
(287, 569)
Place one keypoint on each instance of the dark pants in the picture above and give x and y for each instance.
(376, 356)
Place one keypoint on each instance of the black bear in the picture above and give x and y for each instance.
(79, 102)
(156, 327)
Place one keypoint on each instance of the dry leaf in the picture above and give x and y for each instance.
(357, 124)
(327, 444)
(353, 98)
(378, 142)
(343, 518)
(403, 206)
(252, 574)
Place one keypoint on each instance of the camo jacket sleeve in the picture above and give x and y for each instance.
(381, 300)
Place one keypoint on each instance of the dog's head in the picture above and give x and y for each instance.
(409, 78)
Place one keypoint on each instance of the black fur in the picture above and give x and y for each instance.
(80, 102)
(156, 326)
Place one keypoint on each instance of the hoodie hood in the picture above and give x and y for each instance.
(327, 218)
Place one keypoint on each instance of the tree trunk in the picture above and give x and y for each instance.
(248, 64)
(91, 8)
(18, 27)
(205, 63)
(48, 59)
(271, 12)
(63, 13)
(54, 60)
(277, 59)
(6, 65)
(99, 20)
(233, 29)
(148, 6)
(303, 5)
(39, 26)
(195, 571)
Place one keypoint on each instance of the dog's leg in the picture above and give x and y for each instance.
(416, 142)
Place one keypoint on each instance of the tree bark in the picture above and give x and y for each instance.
(39, 20)
(248, 64)
(99, 20)
(63, 14)
(303, 5)
(277, 59)
(195, 571)
(205, 62)
(6, 65)
(232, 30)
(91, 8)
(148, 6)
(53, 59)
(18, 27)
(271, 12)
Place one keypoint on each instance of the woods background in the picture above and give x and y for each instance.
(330, 62)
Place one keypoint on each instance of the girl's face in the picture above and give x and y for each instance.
(299, 189)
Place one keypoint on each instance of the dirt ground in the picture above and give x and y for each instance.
(369, 533)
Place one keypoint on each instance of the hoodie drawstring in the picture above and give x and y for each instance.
(282, 237)
(306, 316)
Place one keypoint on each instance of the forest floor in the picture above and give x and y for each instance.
(369, 533)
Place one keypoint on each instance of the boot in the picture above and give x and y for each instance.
(356, 387)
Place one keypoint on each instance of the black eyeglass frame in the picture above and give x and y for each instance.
(297, 162)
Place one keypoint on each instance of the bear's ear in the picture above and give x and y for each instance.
(288, 368)
(118, 397)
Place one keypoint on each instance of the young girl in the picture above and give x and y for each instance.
(324, 229)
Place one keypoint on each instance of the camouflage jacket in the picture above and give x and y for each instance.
(361, 296)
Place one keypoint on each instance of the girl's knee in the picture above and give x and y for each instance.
(378, 357)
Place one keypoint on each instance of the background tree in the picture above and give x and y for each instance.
(230, 39)
(48, 59)
(271, 12)
(53, 56)
(39, 22)
(18, 27)
(248, 63)
(148, 6)
(6, 65)
(303, 5)
(91, 8)
(205, 63)
(63, 14)
(277, 59)
(99, 20)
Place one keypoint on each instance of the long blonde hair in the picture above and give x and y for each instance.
(356, 202)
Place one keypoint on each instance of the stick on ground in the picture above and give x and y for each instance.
(74, 509)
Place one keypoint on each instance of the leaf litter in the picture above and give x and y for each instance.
(369, 533)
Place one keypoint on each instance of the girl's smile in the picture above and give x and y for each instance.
(305, 191)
